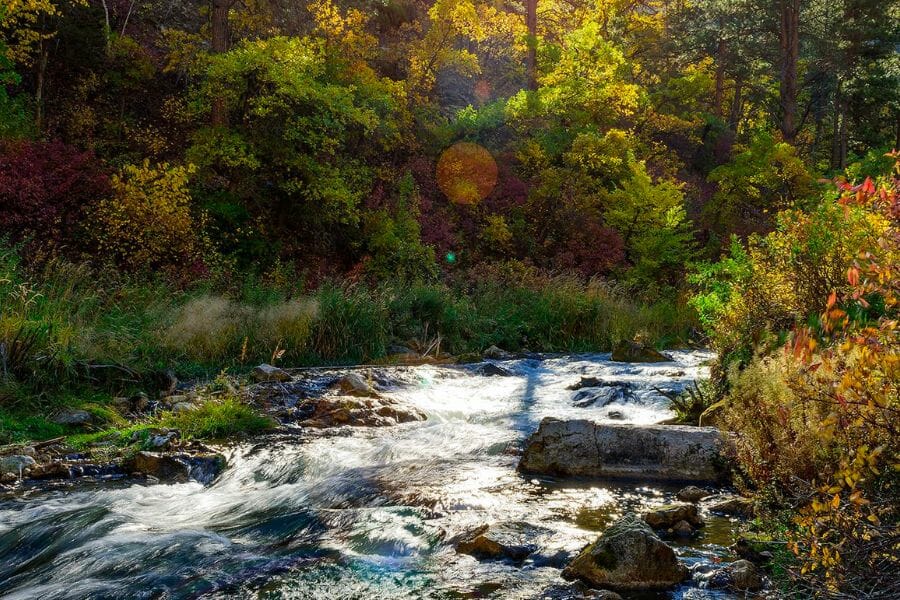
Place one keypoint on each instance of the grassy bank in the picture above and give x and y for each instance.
(74, 336)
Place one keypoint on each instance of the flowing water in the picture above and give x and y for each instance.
(357, 512)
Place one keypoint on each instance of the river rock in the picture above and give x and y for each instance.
(739, 576)
(51, 470)
(205, 467)
(266, 373)
(16, 464)
(691, 493)
(202, 467)
(161, 439)
(628, 557)
(503, 541)
(682, 529)
(730, 505)
(666, 517)
(584, 448)
(352, 384)
(335, 411)
(575, 591)
(72, 417)
(602, 396)
(495, 353)
(587, 382)
(626, 351)
(165, 467)
(182, 407)
(491, 370)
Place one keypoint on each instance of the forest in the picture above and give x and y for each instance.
(191, 189)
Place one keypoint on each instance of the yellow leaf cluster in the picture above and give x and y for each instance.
(147, 222)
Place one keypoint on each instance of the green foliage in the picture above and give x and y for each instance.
(394, 239)
(765, 178)
(14, 119)
(18, 427)
(653, 222)
(693, 401)
(305, 126)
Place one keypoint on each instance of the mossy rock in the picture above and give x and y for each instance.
(628, 556)
(626, 351)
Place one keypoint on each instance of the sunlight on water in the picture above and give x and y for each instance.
(363, 513)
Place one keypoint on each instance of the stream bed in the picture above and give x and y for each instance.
(361, 512)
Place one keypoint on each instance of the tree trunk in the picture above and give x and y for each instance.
(220, 10)
(531, 57)
(836, 128)
(737, 106)
(789, 45)
(718, 101)
(40, 79)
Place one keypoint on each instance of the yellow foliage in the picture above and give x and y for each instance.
(148, 221)
(22, 24)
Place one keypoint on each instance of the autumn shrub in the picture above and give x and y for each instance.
(765, 287)
(816, 421)
(147, 222)
(45, 188)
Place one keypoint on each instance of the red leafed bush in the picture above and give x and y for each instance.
(45, 188)
(591, 249)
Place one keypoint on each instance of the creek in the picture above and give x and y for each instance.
(359, 512)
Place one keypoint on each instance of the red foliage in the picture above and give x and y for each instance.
(45, 188)
(510, 192)
(591, 249)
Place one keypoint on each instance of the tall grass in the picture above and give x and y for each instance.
(65, 327)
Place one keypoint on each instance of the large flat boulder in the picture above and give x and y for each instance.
(583, 448)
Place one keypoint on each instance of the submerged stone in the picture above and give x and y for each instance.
(503, 541)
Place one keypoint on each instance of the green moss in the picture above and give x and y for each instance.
(17, 427)
(118, 437)
(605, 559)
